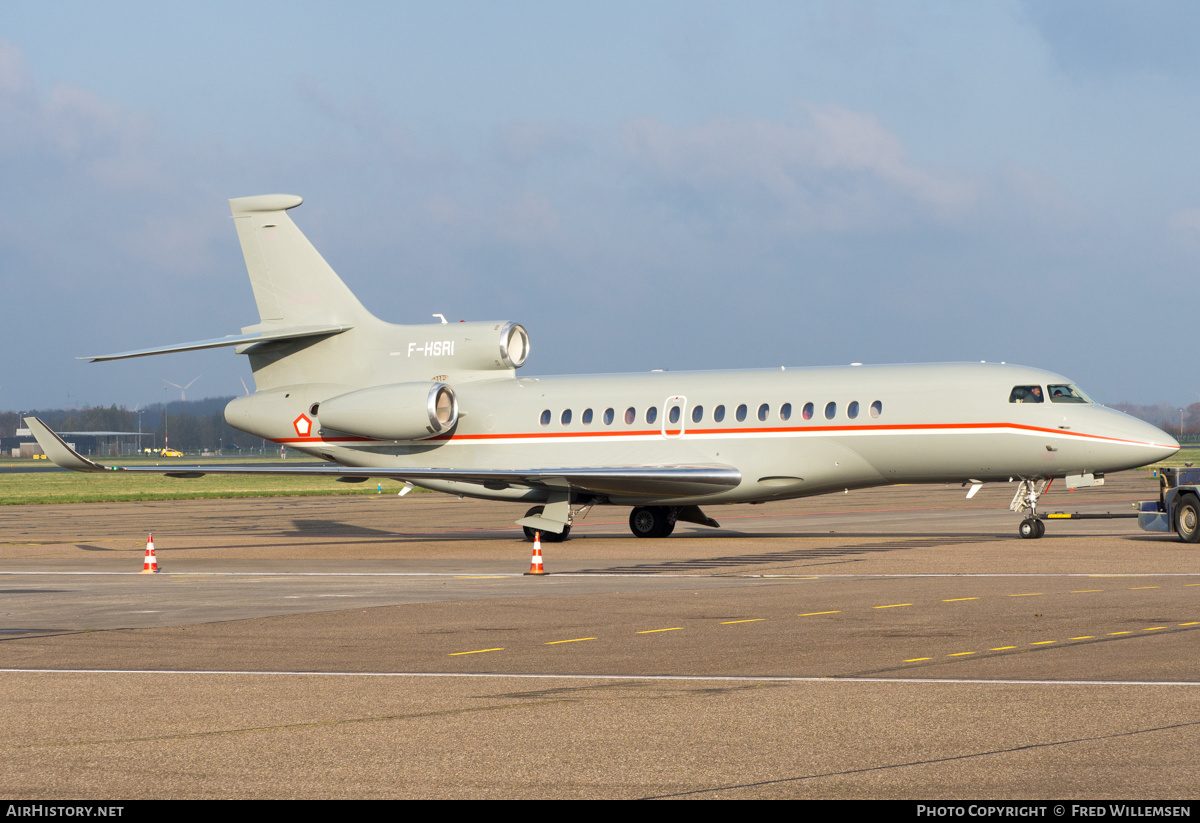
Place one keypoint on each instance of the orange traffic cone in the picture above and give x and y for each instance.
(535, 564)
(150, 564)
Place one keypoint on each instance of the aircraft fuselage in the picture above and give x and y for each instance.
(802, 431)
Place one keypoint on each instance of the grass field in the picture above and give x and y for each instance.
(49, 486)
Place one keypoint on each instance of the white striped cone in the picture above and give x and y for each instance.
(535, 564)
(150, 564)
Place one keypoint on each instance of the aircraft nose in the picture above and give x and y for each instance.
(1156, 443)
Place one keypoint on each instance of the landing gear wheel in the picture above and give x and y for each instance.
(1031, 528)
(1041, 527)
(1187, 518)
(651, 521)
(547, 537)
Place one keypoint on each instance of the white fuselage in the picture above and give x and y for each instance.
(845, 427)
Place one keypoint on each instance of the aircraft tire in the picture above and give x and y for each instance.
(1029, 529)
(547, 537)
(1041, 528)
(1187, 518)
(651, 521)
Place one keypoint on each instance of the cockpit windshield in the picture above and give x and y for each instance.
(1065, 393)
(1026, 394)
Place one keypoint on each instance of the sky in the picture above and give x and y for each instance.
(675, 185)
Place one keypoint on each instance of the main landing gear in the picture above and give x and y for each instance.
(1025, 501)
(659, 521)
(652, 521)
(547, 535)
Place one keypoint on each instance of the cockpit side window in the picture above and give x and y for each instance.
(1065, 393)
(1026, 394)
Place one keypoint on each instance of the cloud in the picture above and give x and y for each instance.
(840, 170)
(71, 129)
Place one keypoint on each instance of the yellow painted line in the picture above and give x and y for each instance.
(1193, 623)
(956, 599)
(1112, 633)
(1135, 588)
(1191, 584)
(1154, 629)
(652, 631)
(1001, 648)
(750, 620)
(917, 659)
(893, 606)
(813, 614)
(1085, 637)
(960, 654)
(574, 640)
(1085, 591)
(477, 651)
(1029, 594)
(1043, 642)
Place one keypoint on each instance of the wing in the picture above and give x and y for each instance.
(635, 481)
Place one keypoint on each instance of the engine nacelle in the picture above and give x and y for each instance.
(468, 346)
(401, 411)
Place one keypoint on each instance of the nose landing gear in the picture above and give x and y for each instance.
(1025, 501)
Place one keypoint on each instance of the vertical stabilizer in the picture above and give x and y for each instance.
(293, 285)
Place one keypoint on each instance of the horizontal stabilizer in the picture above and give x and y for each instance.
(633, 481)
(288, 333)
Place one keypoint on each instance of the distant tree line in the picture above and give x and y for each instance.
(193, 425)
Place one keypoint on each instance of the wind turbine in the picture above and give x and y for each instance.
(182, 389)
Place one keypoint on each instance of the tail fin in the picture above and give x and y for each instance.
(293, 285)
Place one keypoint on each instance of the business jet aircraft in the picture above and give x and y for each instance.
(440, 406)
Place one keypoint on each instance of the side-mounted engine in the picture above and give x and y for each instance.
(402, 411)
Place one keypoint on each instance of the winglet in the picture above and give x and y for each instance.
(57, 449)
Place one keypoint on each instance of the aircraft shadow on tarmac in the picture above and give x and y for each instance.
(823, 553)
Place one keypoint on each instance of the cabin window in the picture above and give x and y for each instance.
(807, 411)
(673, 414)
(630, 416)
(1026, 394)
(1063, 393)
(609, 416)
(830, 410)
(651, 414)
(852, 409)
(587, 417)
(763, 411)
(697, 414)
(785, 411)
(877, 408)
(566, 417)
(546, 417)
(719, 413)
(740, 414)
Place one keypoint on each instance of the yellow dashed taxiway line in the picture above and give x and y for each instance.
(653, 631)
(1052, 642)
(477, 651)
(749, 620)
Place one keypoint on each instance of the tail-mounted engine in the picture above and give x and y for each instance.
(467, 346)
(401, 411)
